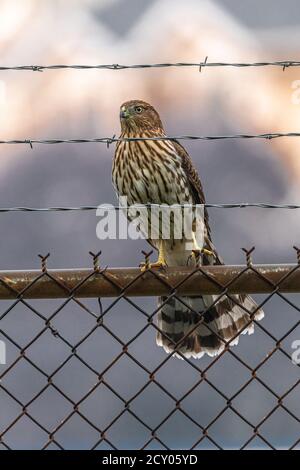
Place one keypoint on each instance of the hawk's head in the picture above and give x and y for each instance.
(137, 115)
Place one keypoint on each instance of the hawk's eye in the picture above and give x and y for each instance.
(138, 109)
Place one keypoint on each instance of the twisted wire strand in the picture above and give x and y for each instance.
(110, 140)
(40, 68)
(111, 207)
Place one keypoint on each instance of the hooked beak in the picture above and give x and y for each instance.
(124, 114)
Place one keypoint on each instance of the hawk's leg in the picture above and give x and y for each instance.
(202, 251)
(161, 261)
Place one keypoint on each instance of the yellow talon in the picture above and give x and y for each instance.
(204, 251)
(144, 267)
(201, 251)
(160, 263)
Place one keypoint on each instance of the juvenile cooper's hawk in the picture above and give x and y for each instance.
(161, 172)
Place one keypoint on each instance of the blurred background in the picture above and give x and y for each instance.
(85, 104)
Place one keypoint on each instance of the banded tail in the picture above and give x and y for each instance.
(222, 322)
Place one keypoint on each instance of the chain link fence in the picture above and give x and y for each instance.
(82, 369)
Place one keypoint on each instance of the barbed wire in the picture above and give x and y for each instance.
(110, 140)
(108, 207)
(40, 68)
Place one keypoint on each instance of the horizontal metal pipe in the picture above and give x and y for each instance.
(114, 281)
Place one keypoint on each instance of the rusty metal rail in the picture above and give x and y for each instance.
(112, 282)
